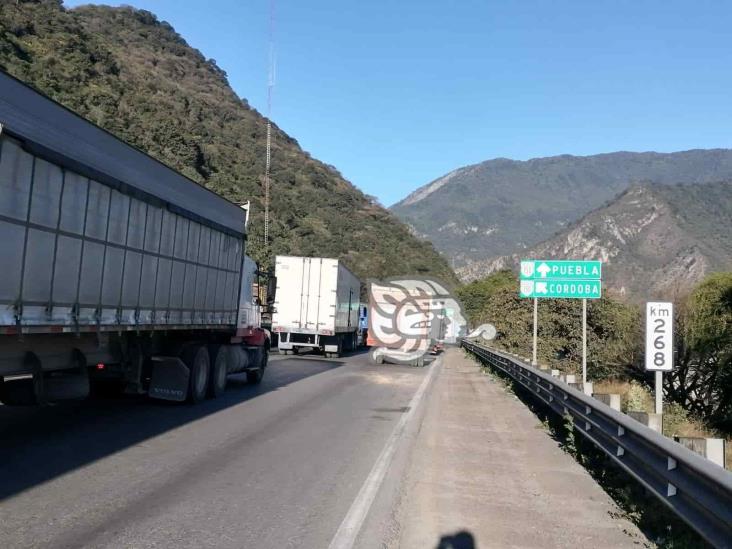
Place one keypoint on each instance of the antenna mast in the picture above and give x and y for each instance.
(270, 89)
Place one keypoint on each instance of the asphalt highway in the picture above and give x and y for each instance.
(275, 465)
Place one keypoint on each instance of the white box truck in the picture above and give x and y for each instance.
(317, 305)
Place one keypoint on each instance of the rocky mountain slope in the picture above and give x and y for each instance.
(135, 76)
(655, 240)
(501, 206)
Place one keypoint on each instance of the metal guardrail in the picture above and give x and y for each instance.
(697, 490)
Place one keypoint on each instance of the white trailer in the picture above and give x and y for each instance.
(116, 269)
(317, 305)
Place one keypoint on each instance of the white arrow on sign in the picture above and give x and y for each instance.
(541, 288)
(543, 270)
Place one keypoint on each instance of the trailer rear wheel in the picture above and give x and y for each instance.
(197, 360)
(220, 361)
(254, 377)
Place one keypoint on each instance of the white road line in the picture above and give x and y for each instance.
(348, 531)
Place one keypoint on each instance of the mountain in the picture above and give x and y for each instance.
(656, 241)
(133, 75)
(501, 206)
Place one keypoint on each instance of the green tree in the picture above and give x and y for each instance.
(702, 379)
(475, 296)
(613, 328)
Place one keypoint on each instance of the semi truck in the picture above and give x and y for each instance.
(317, 305)
(118, 270)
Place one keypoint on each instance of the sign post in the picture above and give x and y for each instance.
(564, 280)
(536, 330)
(659, 343)
(584, 342)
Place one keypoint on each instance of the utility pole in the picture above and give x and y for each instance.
(270, 89)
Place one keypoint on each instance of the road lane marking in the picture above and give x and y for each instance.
(345, 537)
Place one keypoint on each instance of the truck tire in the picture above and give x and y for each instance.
(254, 377)
(220, 362)
(197, 360)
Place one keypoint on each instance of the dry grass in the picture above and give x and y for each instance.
(676, 421)
(633, 396)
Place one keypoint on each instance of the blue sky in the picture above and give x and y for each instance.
(397, 93)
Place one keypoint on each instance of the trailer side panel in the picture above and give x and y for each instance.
(79, 253)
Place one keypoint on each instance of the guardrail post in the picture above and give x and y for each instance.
(587, 388)
(654, 421)
(710, 448)
(611, 399)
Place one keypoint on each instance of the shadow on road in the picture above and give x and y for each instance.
(314, 354)
(38, 444)
(459, 540)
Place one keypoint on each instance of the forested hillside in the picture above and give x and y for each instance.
(136, 77)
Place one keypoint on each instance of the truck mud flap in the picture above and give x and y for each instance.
(169, 379)
(19, 392)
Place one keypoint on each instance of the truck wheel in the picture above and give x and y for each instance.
(196, 358)
(219, 356)
(254, 377)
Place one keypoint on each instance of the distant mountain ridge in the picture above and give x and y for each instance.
(656, 241)
(501, 206)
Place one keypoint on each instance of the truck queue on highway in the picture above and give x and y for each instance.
(120, 272)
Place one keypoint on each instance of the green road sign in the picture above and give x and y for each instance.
(577, 289)
(566, 271)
